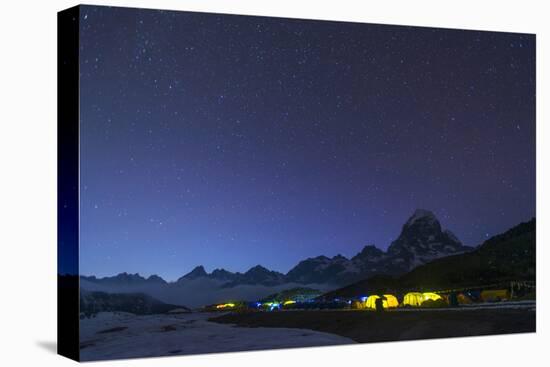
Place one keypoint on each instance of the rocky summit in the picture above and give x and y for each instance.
(423, 240)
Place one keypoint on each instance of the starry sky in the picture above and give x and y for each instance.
(231, 141)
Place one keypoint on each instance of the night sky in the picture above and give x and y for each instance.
(231, 141)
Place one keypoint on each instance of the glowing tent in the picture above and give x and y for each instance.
(433, 300)
(416, 299)
(413, 299)
(289, 304)
(389, 301)
(225, 305)
(431, 296)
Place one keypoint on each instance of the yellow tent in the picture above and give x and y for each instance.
(431, 299)
(289, 304)
(225, 305)
(430, 296)
(357, 305)
(389, 301)
(414, 299)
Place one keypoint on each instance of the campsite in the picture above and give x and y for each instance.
(497, 296)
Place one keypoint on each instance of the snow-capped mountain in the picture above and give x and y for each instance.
(260, 275)
(421, 240)
(255, 275)
(197, 272)
(322, 269)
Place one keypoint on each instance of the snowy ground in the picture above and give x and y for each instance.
(122, 335)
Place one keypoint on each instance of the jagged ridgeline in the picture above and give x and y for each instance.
(421, 240)
(503, 258)
(424, 256)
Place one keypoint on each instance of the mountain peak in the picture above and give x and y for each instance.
(369, 252)
(257, 269)
(421, 214)
(422, 240)
(421, 222)
(319, 258)
(197, 272)
(257, 275)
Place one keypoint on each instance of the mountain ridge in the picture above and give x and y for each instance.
(421, 240)
(505, 257)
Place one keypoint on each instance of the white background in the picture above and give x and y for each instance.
(28, 182)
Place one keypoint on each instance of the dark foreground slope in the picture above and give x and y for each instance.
(503, 258)
(365, 326)
(506, 257)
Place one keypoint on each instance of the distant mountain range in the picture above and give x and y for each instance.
(509, 256)
(137, 303)
(421, 240)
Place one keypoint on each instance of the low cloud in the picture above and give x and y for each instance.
(202, 291)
